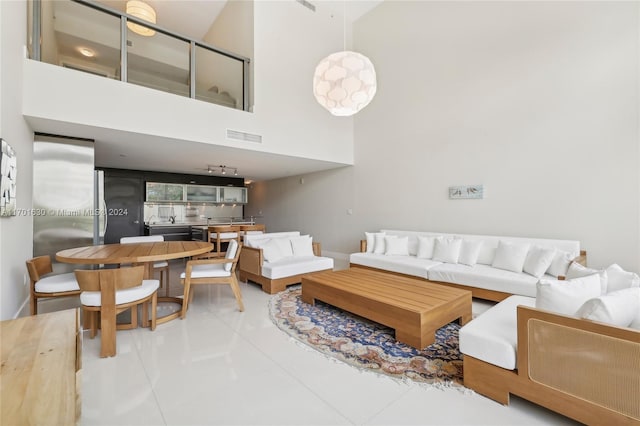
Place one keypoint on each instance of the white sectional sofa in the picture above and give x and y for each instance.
(492, 267)
(276, 260)
(574, 348)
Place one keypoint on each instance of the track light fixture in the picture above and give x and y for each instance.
(222, 169)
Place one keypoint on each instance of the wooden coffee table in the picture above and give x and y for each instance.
(414, 308)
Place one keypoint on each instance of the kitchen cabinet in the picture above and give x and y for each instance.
(170, 232)
(172, 192)
(233, 194)
(202, 193)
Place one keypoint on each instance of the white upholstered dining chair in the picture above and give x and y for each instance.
(44, 284)
(108, 292)
(210, 269)
(162, 266)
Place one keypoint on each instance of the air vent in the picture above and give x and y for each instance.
(243, 136)
(129, 43)
(307, 4)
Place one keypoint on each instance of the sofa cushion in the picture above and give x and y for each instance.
(289, 266)
(271, 251)
(447, 250)
(566, 296)
(409, 265)
(379, 244)
(284, 246)
(302, 246)
(371, 240)
(486, 277)
(577, 270)
(538, 261)
(510, 257)
(618, 308)
(493, 336)
(256, 240)
(618, 278)
(560, 263)
(396, 246)
(469, 252)
(425, 247)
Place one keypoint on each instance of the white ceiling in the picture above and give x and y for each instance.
(125, 150)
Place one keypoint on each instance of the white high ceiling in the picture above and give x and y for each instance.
(141, 152)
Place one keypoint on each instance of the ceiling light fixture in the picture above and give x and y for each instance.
(344, 82)
(143, 11)
(221, 169)
(85, 51)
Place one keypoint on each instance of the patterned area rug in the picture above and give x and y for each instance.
(368, 345)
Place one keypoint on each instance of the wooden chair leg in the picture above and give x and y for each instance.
(185, 298)
(154, 307)
(236, 292)
(145, 313)
(33, 304)
(107, 333)
(134, 316)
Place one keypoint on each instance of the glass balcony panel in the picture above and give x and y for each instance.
(80, 37)
(218, 78)
(157, 61)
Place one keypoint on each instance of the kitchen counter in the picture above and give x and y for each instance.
(195, 224)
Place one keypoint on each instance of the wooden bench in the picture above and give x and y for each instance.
(41, 369)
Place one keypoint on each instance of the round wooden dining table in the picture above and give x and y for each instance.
(137, 253)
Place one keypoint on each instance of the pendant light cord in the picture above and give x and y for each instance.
(344, 26)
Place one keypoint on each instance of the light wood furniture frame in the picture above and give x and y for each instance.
(163, 270)
(37, 267)
(215, 233)
(585, 370)
(480, 293)
(211, 259)
(108, 282)
(140, 253)
(250, 268)
(41, 371)
(413, 308)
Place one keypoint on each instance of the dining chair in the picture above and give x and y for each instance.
(258, 228)
(210, 269)
(46, 285)
(108, 292)
(223, 234)
(163, 266)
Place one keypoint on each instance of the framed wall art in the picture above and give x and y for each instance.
(8, 171)
(466, 192)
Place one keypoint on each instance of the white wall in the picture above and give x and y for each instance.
(537, 101)
(16, 233)
(233, 31)
(285, 112)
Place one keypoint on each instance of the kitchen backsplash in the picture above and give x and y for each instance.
(191, 212)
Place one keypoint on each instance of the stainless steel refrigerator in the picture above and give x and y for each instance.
(68, 207)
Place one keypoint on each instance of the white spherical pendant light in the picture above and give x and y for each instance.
(344, 83)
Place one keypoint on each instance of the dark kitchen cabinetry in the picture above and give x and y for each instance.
(124, 198)
(170, 233)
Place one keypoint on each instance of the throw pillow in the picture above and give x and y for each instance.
(469, 252)
(447, 250)
(538, 260)
(425, 247)
(510, 256)
(271, 251)
(566, 296)
(302, 246)
(379, 246)
(619, 279)
(560, 264)
(284, 245)
(576, 270)
(396, 246)
(371, 240)
(617, 308)
(232, 248)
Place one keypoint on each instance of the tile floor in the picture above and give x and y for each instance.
(220, 366)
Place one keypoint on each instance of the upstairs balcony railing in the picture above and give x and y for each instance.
(91, 37)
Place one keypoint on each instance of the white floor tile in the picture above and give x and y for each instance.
(222, 366)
